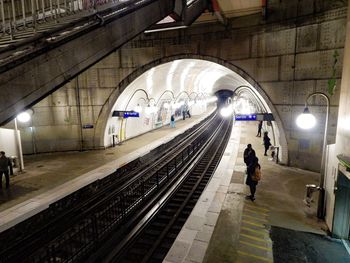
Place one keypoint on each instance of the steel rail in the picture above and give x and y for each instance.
(28, 242)
(173, 216)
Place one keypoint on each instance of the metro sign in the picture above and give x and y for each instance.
(125, 114)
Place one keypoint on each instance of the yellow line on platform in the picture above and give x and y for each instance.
(256, 238)
(254, 256)
(253, 223)
(255, 218)
(256, 246)
(258, 208)
(260, 232)
(253, 211)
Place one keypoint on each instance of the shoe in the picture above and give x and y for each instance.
(265, 154)
(252, 198)
(248, 197)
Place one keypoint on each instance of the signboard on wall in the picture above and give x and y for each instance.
(125, 114)
(245, 117)
(255, 117)
(88, 126)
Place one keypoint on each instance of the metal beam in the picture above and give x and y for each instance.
(49, 65)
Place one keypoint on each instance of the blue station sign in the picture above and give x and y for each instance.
(125, 114)
(245, 117)
(255, 117)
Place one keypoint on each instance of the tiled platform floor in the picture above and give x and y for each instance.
(225, 227)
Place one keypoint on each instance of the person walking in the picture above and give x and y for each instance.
(172, 121)
(248, 155)
(252, 180)
(259, 129)
(5, 163)
(267, 142)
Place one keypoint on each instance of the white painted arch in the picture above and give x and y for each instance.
(168, 77)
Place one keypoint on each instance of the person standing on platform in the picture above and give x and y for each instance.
(253, 177)
(5, 163)
(188, 113)
(183, 114)
(248, 155)
(172, 121)
(267, 142)
(259, 129)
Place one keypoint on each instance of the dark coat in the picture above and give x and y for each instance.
(267, 141)
(250, 173)
(248, 156)
(5, 163)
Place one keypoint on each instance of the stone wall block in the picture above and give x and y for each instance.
(180, 49)
(285, 113)
(287, 67)
(332, 34)
(307, 38)
(317, 65)
(100, 96)
(88, 114)
(111, 61)
(278, 92)
(235, 48)
(275, 43)
(305, 7)
(248, 65)
(267, 69)
(49, 139)
(322, 86)
(301, 90)
(210, 48)
(132, 58)
(107, 77)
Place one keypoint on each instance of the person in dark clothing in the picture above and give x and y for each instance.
(183, 114)
(259, 129)
(188, 113)
(172, 121)
(249, 181)
(266, 142)
(248, 155)
(5, 163)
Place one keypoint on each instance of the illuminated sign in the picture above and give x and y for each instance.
(132, 114)
(125, 114)
(255, 117)
(247, 117)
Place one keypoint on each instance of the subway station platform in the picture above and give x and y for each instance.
(50, 177)
(226, 227)
(223, 227)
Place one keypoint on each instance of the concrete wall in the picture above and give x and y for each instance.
(288, 60)
(8, 142)
(342, 145)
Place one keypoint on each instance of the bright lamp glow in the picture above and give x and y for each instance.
(23, 117)
(226, 112)
(306, 120)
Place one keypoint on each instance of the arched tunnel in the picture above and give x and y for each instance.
(131, 105)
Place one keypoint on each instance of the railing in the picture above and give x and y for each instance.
(73, 237)
(87, 230)
(24, 15)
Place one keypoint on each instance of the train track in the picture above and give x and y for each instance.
(74, 234)
(151, 239)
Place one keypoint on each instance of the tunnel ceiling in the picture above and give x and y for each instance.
(188, 74)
